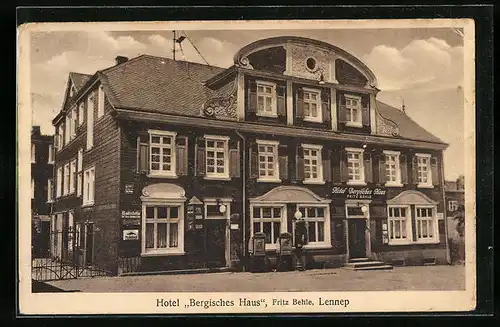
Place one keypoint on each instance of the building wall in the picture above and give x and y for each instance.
(41, 171)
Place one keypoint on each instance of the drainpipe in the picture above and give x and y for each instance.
(445, 218)
(243, 195)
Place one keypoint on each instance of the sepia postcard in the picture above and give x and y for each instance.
(231, 167)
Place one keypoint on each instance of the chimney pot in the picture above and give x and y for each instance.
(120, 59)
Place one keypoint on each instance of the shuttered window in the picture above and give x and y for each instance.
(313, 163)
(266, 99)
(355, 166)
(162, 161)
(422, 170)
(392, 171)
(353, 111)
(312, 110)
(217, 156)
(268, 163)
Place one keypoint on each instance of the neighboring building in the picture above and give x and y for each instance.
(42, 160)
(166, 165)
(455, 197)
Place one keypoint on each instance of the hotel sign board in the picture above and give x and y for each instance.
(359, 193)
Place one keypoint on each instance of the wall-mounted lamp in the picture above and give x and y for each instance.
(222, 208)
(297, 215)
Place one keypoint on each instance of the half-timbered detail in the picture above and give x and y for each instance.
(174, 165)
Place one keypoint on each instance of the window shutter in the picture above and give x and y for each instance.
(336, 166)
(299, 104)
(142, 155)
(200, 156)
(234, 158)
(381, 169)
(181, 148)
(342, 109)
(435, 171)
(403, 168)
(325, 106)
(365, 111)
(299, 169)
(367, 157)
(281, 100)
(254, 160)
(414, 171)
(327, 165)
(283, 161)
(252, 96)
(344, 174)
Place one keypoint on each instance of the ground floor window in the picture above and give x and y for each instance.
(317, 220)
(426, 224)
(399, 224)
(269, 220)
(163, 228)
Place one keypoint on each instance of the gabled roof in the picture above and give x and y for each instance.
(79, 79)
(408, 128)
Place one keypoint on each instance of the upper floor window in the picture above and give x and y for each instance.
(50, 160)
(90, 122)
(73, 122)
(50, 190)
(268, 160)
(72, 177)
(89, 186)
(79, 179)
(399, 224)
(59, 181)
(426, 224)
(66, 179)
(81, 110)
(100, 102)
(313, 167)
(59, 137)
(162, 153)
(266, 99)
(312, 105)
(424, 177)
(33, 153)
(452, 205)
(353, 111)
(217, 159)
(355, 167)
(392, 168)
(67, 130)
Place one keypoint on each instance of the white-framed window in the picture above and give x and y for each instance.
(79, 179)
(424, 174)
(452, 205)
(353, 108)
(59, 180)
(100, 102)
(266, 99)
(399, 224)
(313, 164)
(392, 168)
(355, 167)
(270, 220)
(317, 223)
(312, 105)
(67, 129)
(72, 177)
(33, 153)
(50, 190)
(89, 186)
(426, 224)
(81, 113)
(268, 160)
(32, 188)
(217, 158)
(66, 179)
(73, 122)
(50, 159)
(59, 137)
(164, 228)
(162, 153)
(90, 121)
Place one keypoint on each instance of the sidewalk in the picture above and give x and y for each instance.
(420, 278)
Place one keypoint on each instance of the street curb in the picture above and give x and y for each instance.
(180, 272)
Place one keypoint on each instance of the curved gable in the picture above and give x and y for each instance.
(412, 197)
(290, 194)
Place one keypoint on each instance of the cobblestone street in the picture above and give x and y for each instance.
(421, 278)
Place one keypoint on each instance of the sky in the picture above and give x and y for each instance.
(422, 67)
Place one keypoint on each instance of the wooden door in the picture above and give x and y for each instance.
(357, 243)
(215, 242)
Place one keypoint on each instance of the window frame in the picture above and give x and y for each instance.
(282, 220)
(66, 175)
(33, 153)
(59, 181)
(273, 96)
(72, 176)
(179, 250)
(79, 178)
(50, 190)
(327, 243)
(172, 173)
(396, 154)
(215, 175)
(409, 227)
(100, 101)
(319, 117)
(319, 164)
(362, 178)
(275, 145)
(90, 123)
(87, 201)
(73, 122)
(81, 113)
(434, 223)
(50, 159)
(359, 117)
(427, 157)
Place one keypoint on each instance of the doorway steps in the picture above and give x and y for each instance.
(366, 264)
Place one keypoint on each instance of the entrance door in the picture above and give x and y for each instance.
(216, 242)
(357, 244)
(89, 244)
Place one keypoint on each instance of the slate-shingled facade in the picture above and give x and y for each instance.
(179, 163)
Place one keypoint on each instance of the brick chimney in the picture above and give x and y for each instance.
(120, 60)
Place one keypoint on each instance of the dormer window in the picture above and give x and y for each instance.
(266, 99)
(312, 105)
(353, 111)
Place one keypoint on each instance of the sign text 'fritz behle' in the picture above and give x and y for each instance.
(359, 193)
